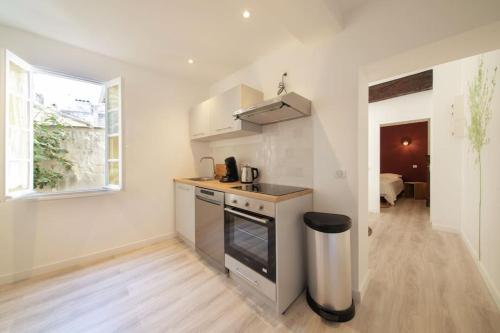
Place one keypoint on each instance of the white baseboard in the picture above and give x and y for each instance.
(469, 247)
(86, 259)
(185, 240)
(358, 295)
(484, 274)
(489, 283)
(445, 228)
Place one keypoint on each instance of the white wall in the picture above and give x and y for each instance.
(395, 110)
(156, 149)
(489, 245)
(283, 153)
(329, 74)
(446, 149)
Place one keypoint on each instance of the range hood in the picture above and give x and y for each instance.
(281, 108)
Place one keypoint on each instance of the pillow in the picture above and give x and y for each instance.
(390, 175)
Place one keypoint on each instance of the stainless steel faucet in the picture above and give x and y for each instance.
(213, 163)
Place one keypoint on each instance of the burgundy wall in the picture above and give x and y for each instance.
(396, 158)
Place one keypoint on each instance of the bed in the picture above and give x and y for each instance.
(391, 185)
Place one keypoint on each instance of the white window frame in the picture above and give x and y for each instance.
(31, 194)
(109, 84)
(12, 58)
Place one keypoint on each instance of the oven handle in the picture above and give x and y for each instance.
(250, 217)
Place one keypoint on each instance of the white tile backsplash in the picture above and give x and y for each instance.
(282, 153)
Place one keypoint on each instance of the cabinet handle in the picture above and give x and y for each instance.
(224, 128)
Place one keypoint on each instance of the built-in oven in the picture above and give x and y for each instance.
(250, 234)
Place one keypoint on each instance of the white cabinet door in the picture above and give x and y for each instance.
(184, 211)
(223, 106)
(199, 118)
(213, 119)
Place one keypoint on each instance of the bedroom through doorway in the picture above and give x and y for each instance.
(404, 163)
(399, 113)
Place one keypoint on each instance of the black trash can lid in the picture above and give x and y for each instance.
(328, 223)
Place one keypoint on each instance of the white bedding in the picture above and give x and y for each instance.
(390, 187)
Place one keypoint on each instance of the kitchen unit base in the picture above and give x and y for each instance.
(257, 281)
(209, 225)
(184, 213)
(288, 239)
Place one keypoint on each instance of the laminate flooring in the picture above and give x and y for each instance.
(421, 281)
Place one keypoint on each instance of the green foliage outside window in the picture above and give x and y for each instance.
(49, 158)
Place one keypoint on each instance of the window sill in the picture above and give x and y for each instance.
(65, 195)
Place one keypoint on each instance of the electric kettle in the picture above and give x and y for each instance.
(249, 174)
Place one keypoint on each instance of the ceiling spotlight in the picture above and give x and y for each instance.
(190, 61)
(246, 14)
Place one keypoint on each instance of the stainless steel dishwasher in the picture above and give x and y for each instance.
(209, 225)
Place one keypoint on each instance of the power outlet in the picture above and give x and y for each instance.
(341, 174)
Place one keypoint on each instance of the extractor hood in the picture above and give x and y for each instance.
(285, 107)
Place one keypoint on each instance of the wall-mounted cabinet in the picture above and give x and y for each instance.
(199, 119)
(213, 119)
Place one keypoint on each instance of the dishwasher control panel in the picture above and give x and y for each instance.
(253, 205)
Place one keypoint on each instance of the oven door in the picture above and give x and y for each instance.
(250, 239)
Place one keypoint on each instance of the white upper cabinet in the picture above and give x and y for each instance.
(199, 120)
(213, 119)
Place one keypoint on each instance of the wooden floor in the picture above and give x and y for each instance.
(422, 281)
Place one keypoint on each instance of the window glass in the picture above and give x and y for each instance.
(19, 147)
(114, 173)
(18, 80)
(113, 111)
(113, 97)
(62, 133)
(69, 134)
(113, 124)
(18, 177)
(18, 112)
(113, 152)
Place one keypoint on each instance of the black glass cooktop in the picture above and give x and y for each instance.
(269, 189)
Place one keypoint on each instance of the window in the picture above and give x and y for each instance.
(62, 134)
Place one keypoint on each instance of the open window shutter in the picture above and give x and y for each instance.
(18, 126)
(113, 134)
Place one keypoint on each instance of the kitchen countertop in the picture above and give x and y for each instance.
(227, 188)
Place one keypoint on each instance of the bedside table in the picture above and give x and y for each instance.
(416, 190)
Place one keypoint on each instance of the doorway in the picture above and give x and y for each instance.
(399, 148)
(458, 182)
(404, 169)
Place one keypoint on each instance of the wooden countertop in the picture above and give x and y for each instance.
(227, 188)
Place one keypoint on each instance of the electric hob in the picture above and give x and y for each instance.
(269, 189)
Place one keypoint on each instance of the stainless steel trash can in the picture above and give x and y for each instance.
(329, 291)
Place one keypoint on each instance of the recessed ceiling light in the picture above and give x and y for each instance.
(190, 61)
(246, 14)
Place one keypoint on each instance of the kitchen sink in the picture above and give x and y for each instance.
(201, 179)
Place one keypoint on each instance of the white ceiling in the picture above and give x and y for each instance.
(164, 34)
(348, 6)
